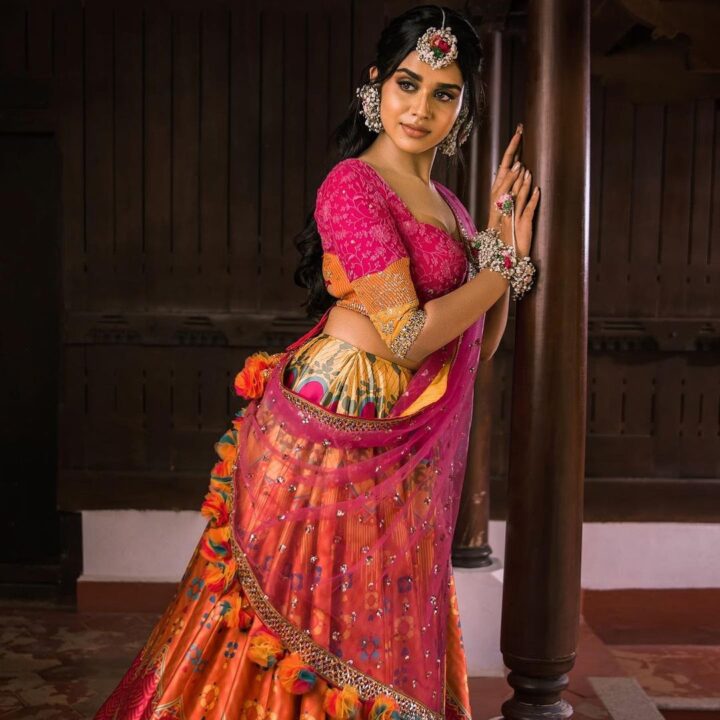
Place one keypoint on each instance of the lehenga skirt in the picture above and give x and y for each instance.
(198, 662)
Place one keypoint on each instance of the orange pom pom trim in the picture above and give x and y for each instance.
(235, 610)
(265, 649)
(295, 675)
(384, 707)
(342, 703)
(216, 508)
(250, 381)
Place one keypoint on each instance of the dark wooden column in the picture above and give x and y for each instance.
(470, 546)
(541, 599)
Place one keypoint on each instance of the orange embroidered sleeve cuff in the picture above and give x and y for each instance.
(391, 303)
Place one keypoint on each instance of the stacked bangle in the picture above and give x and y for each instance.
(494, 254)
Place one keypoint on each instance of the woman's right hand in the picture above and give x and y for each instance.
(512, 177)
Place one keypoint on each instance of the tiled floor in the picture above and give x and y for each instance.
(57, 664)
(688, 671)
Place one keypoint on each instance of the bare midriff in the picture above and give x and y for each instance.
(357, 329)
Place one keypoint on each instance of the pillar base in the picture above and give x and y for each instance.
(537, 698)
(515, 710)
(472, 557)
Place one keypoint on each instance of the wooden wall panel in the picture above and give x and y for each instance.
(100, 158)
(202, 146)
(184, 269)
(654, 264)
(610, 254)
(13, 46)
(292, 139)
(698, 426)
(675, 201)
(271, 291)
(668, 414)
(69, 86)
(648, 416)
(147, 409)
(128, 74)
(157, 156)
(244, 158)
(214, 197)
(73, 408)
(40, 36)
(158, 395)
(702, 290)
(653, 237)
(317, 123)
(645, 219)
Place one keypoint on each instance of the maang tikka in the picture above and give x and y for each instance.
(437, 48)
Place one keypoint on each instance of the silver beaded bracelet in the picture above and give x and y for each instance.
(494, 254)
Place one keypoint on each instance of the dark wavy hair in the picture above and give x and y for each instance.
(352, 136)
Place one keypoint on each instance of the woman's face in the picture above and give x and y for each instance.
(419, 96)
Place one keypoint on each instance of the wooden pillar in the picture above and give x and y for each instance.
(541, 595)
(470, 545)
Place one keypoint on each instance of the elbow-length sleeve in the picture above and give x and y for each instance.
(357, 227)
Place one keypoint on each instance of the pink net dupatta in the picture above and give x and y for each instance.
(342, 526)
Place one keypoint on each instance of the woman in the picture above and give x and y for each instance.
(322, 585)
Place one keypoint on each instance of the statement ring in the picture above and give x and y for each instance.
(505, 204)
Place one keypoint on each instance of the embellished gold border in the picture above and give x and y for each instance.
(339, 422)
(322, 661)
(453, 700)
(408, 334)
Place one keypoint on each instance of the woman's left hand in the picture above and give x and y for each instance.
(520, 189)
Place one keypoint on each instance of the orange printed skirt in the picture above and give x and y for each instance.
(199, 662)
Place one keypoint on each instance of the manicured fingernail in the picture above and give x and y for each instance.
(519, 128)
(527, 174)
(516, 166)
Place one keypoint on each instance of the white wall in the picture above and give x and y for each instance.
(144, 545)
(152, 545)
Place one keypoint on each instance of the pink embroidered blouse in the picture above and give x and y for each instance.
(378, 258)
